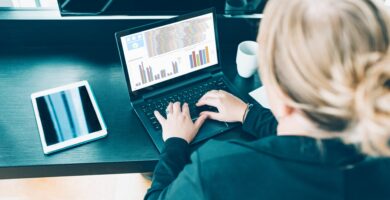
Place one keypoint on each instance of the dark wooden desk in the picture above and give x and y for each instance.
(126, 149)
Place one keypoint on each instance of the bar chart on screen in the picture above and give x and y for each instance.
(199, 59)
(169, 51)
(148, 75)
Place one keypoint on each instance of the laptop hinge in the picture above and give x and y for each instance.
(135, 102)
(217, 73)
(176, 85)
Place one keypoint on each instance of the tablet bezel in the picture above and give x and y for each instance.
(47, 149)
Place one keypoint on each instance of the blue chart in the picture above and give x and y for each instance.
(147, 75)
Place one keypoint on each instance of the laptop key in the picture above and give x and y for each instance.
(157, 126)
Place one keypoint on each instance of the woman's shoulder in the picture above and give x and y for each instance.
(227, 151)
(230, 148)
(290, 149)
(233, 162)
(217, 148)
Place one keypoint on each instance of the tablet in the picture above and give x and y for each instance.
(67, 116)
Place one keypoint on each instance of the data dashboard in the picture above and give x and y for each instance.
(160, 54)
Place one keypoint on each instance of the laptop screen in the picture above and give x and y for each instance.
(166, 52)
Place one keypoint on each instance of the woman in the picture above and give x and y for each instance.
(325, 65)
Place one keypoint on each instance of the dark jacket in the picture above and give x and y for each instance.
(273, 167)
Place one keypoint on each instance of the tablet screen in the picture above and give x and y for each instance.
(67, 114)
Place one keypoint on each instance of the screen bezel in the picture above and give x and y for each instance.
(74, 141)
(139, 93)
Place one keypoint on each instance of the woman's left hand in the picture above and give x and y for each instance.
(178, 122)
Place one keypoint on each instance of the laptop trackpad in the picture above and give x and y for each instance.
(209, 129)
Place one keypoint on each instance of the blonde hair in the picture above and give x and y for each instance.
(331, 59)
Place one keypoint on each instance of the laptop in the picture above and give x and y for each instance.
(173, 60)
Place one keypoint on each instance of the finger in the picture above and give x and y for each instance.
(199, 122)
(170, 107)
(213, 92)
(159, 117)
(209, 101)
(212, 115)
(176, 107)
(210, 94)
(185, 109)
(223, 92)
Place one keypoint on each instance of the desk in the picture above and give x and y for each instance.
(127, 147)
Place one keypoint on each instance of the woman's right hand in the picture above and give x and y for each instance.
(230, 108)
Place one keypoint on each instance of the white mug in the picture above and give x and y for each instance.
(246, 59)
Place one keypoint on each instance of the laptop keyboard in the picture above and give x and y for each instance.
(188, 95)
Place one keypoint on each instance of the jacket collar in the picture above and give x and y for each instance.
(331, 152)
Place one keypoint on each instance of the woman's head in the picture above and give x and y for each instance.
(330, 60)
